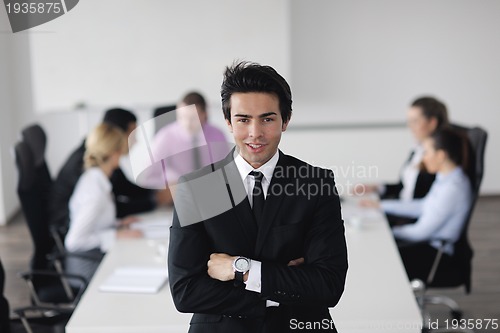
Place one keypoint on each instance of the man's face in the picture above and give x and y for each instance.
(256, 125)
(191, 121)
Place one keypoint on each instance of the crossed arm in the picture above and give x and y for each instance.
(201, 280)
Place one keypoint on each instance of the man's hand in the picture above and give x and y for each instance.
(296, 262)
(128, 220)
(220, 266)
(129, 233)
(367, 203)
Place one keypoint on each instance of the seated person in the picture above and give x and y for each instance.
(425, 116)
(442, 213)
(129, 197)
(187, 144)
(93, 222)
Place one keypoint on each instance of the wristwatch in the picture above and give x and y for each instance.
(241, 265)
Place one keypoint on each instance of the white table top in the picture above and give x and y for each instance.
(377, 295)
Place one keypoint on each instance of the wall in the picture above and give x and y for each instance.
(151, 52)
(364, 61)
(14, 69)
(347, 61)
(129, 53)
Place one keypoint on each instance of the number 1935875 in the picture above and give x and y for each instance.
(33, 8)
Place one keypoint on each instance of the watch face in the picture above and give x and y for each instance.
(241, 264)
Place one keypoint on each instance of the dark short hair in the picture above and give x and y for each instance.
(244, 77)
(454, 143)
(433, 108)
(119, 117)
(197, 99)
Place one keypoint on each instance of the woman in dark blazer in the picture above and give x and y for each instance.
(425, 116)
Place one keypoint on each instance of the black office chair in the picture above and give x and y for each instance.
(44, 319)
(54, 294)
(36, 140)
(33, 189)
(46, 279)
(456, 273)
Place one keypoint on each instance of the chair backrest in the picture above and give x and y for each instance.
(35, 137)
(477, 146)
(33, 190)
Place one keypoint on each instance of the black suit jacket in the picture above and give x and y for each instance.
(302, 218)
(422, 185)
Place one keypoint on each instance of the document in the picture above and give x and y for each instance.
(135, 279)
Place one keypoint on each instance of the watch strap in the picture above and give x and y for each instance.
(238, 276)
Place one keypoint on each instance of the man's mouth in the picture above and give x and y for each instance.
(256, 147)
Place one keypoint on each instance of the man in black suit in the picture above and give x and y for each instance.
(257, 242)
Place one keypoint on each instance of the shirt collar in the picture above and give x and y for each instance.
(267, 168)
(98, 174)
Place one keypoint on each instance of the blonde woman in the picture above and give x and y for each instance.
(93, 223)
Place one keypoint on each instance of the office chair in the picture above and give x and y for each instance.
(46, 279)
(446, 274)
(36, 140)
(53, 295)
(32, 318)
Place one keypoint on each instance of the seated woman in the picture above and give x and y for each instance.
(93, 223)
(425, 116)
(442, 213)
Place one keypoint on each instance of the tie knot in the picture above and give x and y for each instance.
(258, 175)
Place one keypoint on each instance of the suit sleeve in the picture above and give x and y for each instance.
(193, 290)
(320, 280)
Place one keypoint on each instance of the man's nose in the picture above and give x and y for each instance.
(255, 130)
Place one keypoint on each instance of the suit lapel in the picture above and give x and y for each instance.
(274, 200)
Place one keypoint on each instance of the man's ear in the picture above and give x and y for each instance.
(229, 125)
(285, 124)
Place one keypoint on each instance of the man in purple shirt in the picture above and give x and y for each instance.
(189, 143)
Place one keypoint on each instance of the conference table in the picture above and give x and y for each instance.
(377, 296)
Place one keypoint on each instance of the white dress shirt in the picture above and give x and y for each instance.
(441, 213)
(409, 174)
(253, 282)
(92, 213)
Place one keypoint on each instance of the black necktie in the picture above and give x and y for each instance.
(196, 154)
(257, 196)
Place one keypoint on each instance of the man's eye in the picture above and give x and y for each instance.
(267, 119)
(242, 120)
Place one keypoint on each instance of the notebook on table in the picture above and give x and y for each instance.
(135, 279)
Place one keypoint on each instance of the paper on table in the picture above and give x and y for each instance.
(153, 229)
(135, 279)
